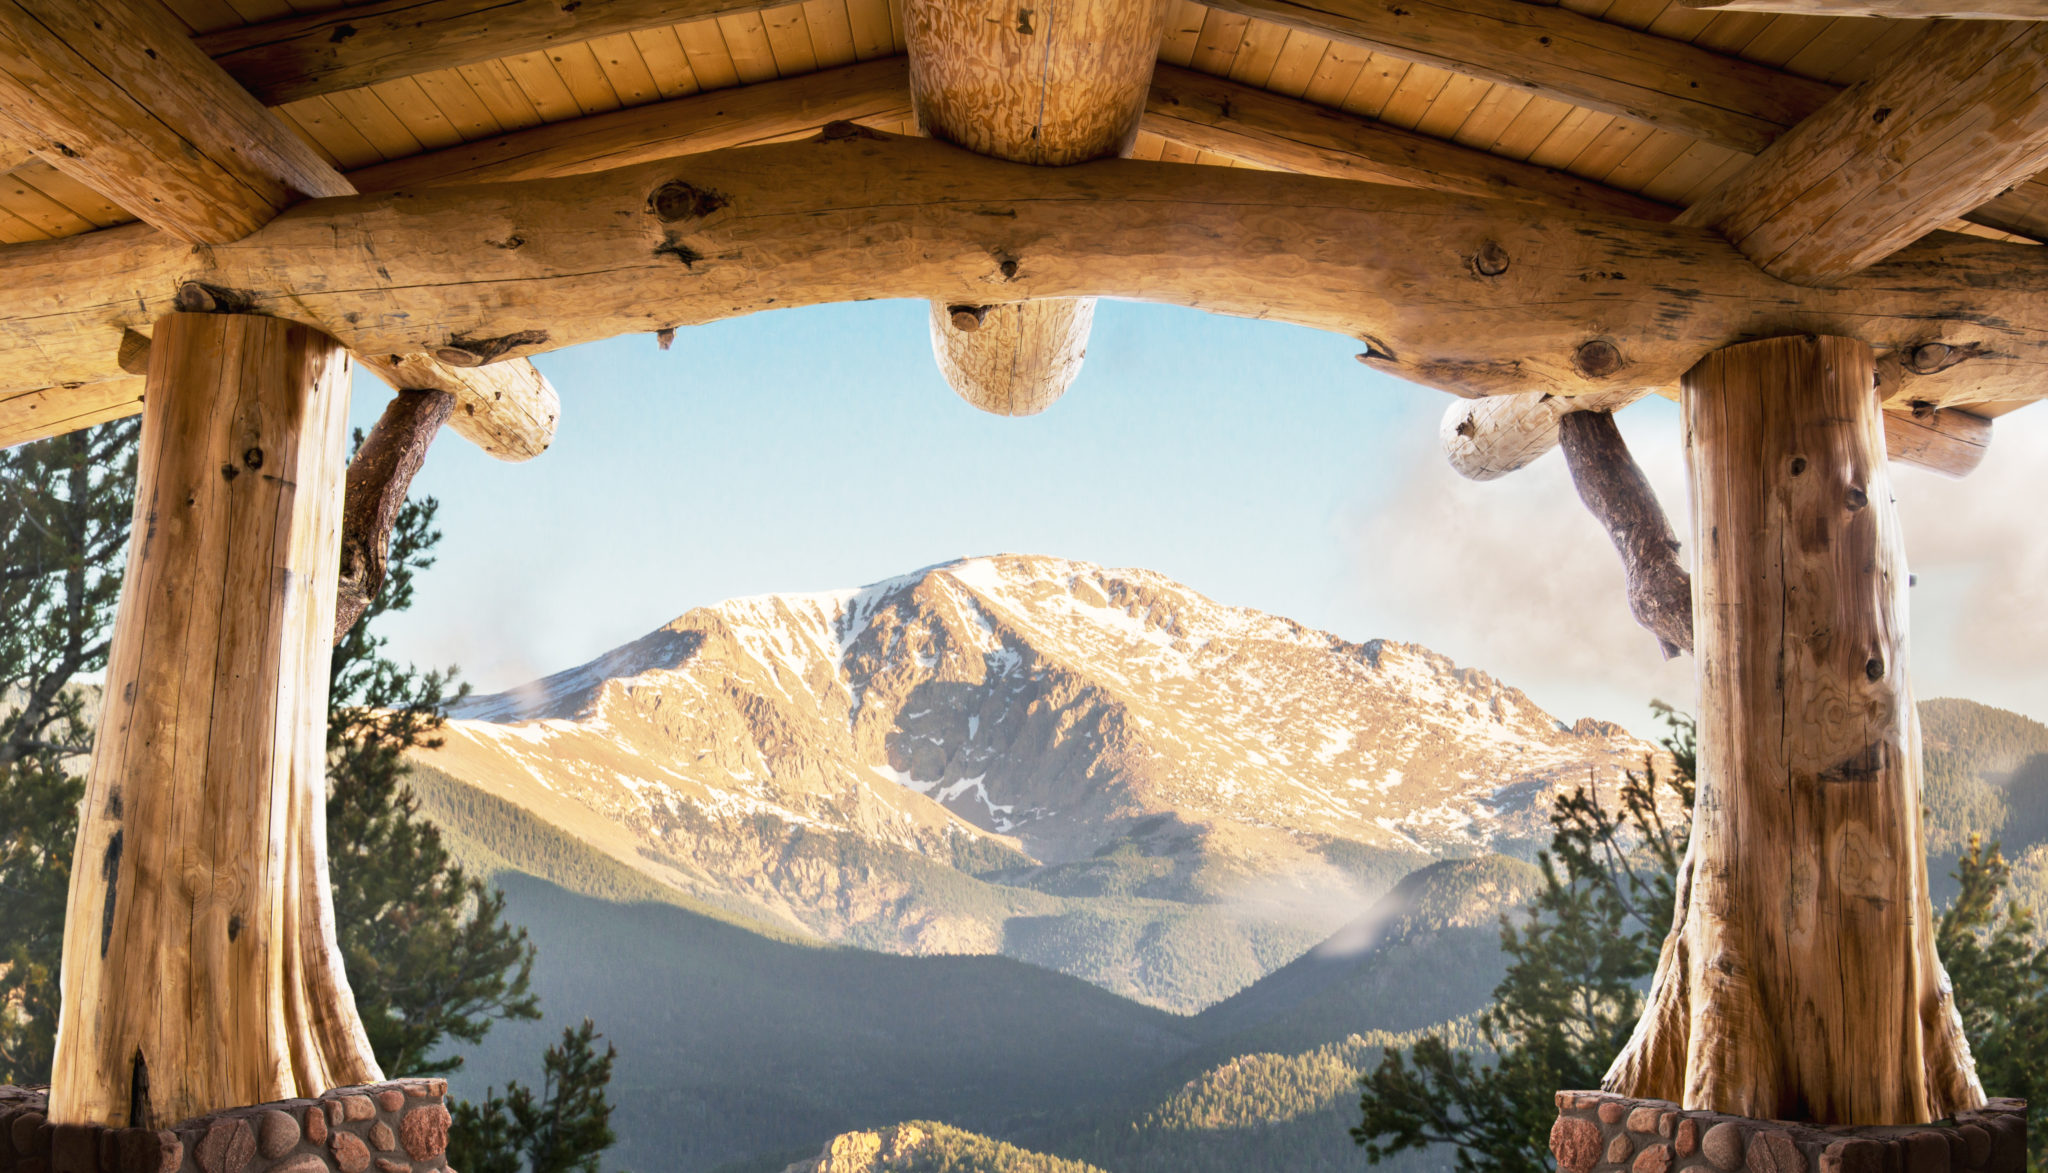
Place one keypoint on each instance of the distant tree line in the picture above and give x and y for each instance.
(429, 955)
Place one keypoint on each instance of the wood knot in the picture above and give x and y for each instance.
(677, 200)
(665, 337)
(1928, 357)
(1008, 268)
(464, 351)
(1798, 465)
(967, 318)
(842, 130)
(1597, 359)
(1491, 260)
(1857, 499)
(198, 297)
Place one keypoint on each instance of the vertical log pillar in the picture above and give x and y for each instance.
(200, 967)
(1799, 980)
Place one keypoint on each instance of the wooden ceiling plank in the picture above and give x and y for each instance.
(831, 33)
(1258, 53)
(578, 67)
(1563, 55)
(667, 62)
(746, 40)
(465, 109)
(872, 34)
(1660, 150)
(1339, 71)
(710, 60)
(1577, 130)
(1452, 105)
(1893, 9)
(1491, 117)
(86, 203)
(789, 39)
(116, 95)
(536, 77)
(1217, 44)
(1183, 32)
(1610, 148)
(1391, 265)
(1537, 121)
(1689, 171)
(1243, 122)
(1731, 32)
(1375, 84)
(1952, 123)
(347, 48)
(1296, 66)
(385, 131)
(421, 116)
(625, 70)
(700, 122)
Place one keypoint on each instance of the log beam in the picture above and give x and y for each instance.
(378, 478)
(115, 94)
(1576, 303)
(1053, 87)
(738, 117)
(1799, 979)
(1614, 488)
(1559, 54)
(1959, 117)
(1258, 126)
(507, 408)
(1485, 439)
(1891, 9)
(298, 57)
(199, 953)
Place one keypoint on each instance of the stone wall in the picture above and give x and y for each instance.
(399, 1127)
(1604, 1132)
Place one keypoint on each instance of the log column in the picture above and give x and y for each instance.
(1799, 980)
(1052, 83)
(200, 966)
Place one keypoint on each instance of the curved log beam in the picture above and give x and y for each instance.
(378, 477)
(508, 409)
(1613, 486)
(1564, 304)
(1054, 85)
(1485, 439)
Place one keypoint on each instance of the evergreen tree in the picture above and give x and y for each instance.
(1571, 994)
(65, 508)
(428, 952)
(563, 1129)
(2000, 977)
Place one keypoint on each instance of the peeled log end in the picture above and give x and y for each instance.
(1020, 357)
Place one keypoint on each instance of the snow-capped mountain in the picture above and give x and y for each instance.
(984, 755)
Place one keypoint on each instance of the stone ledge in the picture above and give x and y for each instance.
(1600, 1132)
(397, 1127)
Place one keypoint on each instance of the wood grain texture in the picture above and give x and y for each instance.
(378, 477)
(115, 94)
(198, 934)
(1614, 488)
(1486, 439)
(1582, 304)
(1799, 979)
(507, 408)
(359, 45)
(1560, 54)
(743, 116)
(1959, 118)
(41, 412)
(1892, 9)
(1943, 440)
(1021, 358)
(1053, 83)
(1273, 130)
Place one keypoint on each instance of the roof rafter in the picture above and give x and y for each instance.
(1568, 303)
(1895, 9)
(1273, 130)
(1561, 54)
(1961, 116)
(297, 57)
(118, 97)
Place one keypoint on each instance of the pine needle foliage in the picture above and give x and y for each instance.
(65, 508)
(429, 954)
(2000, 977)
(1572, 992)
(565, 1127)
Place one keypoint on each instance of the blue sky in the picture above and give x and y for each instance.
(1258, 463)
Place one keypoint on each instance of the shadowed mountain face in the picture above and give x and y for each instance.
(1097, 770)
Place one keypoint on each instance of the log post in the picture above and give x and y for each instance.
(1052, 85)
(200, 966)
(1799, 980)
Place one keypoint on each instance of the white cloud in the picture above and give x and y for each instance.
(1514, 576)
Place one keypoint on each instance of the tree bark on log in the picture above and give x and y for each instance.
(1799, 979)
(199, 950)
(1615, 489)
(378, 477)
